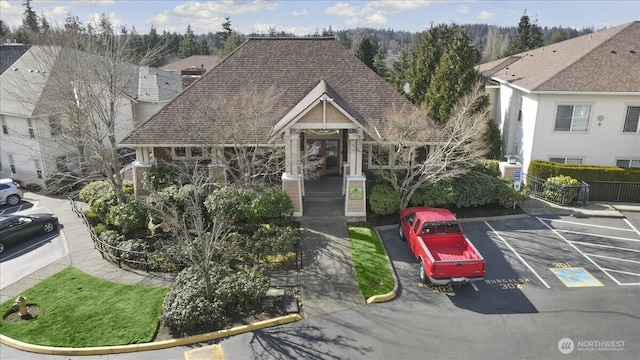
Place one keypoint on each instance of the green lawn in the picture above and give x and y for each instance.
(78, 310)
(370, 262)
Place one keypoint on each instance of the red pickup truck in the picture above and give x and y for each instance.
(445, 254)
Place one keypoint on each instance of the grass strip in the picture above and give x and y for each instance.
(370, 262)
(78, 310)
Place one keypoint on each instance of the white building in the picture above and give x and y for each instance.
(574, 102)
(32, 141)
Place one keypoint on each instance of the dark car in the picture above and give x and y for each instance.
(17, 228)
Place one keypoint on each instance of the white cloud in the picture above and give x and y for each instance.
(93, 19)
(302, 12)
(11, 13)
(262, 28)
(374, 12)
(463, 9)
(484, 15)
(160, 19)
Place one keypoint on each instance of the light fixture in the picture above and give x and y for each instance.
(512, 159)
(324, 131)
(600, 118)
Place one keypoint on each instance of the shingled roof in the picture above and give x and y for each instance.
(604, 61)
(295, 68)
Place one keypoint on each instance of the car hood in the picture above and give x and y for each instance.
(42, 216)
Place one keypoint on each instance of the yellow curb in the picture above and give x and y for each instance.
(382, 298)
(156, 345)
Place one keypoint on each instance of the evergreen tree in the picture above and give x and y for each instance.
(344, 39)
(559, 35)
(379, 65)
(3, 29)
(364, 52)
(30, 20)
(44, 25)
(226, 30)
(419, 62)
(188, 45)
(233, 41)
(453, 77)
(529, 37)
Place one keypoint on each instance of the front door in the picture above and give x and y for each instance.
(328, 155)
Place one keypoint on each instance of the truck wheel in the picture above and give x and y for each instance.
(423, 274)
(401, 234)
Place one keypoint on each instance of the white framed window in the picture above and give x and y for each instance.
(55, 125)
(12, 165)
(38, 169)
(628, 163)
(32, 131)
(632, 120)
(62, 164)
(566, 160)
(183, 152)
(574, 118)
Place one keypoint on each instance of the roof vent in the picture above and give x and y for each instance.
(614, 52)
(632, 51)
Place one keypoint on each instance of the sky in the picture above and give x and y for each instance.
(308, 17)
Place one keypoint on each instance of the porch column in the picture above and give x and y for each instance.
(292, 182)
(217, 168)
(355, 201)
(142, 164)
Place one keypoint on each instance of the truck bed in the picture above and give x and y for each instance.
(453, 254)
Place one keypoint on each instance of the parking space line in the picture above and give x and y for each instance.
(474, 287)
(598, 235)
(578, 250)
(622, 272)
(612, 258)
(518, 255)
(590, 225)
(604, 246)
(631, 226)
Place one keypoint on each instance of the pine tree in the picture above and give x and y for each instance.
(30, 20)
(226, 30)
(379, 65)
(364, 52)
(188, 45)
(529, 37)
(453, 77)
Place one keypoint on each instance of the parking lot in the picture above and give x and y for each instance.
(33, 254)
(533, 258)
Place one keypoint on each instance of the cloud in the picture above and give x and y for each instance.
(11, 14)
(262, 28)
(160, 19)
(302, 12)
(93, 19)
(463, 9)
(374, 12)
(484, 15)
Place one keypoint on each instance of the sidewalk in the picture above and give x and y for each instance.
(79, 253)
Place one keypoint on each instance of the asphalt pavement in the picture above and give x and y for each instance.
(328, 280)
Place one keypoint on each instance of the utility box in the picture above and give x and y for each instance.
(512, 170)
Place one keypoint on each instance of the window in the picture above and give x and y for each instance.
(628, 163)
(62, 164)
(56, 125)
(180, 151)
(563, 160)
(38, 169)
(572, 117)
(5, 129)
(12, 165)
(632, 119)
(32, 132)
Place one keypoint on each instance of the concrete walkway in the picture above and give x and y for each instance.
(79, 253)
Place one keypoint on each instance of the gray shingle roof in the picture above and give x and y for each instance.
(604, 61)
(10, 53)
(290, 67)
(198, 61)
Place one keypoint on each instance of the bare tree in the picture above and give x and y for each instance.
(89, 85)
(199, 236)
(233, 127)
(409, 151)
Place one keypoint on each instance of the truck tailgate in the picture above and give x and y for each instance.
(461, 268)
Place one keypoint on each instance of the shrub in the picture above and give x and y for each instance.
(127, 187)
(274, 240)
(236, 292)
(98, 229)
(92, 217)
(111, 237)
(474, 189)
(159, 177)
(100, 197)
(384, 200)
(130, 216)
(561, 189)
(438, 194)
(252, 205)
